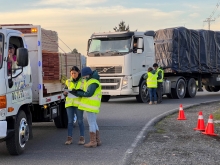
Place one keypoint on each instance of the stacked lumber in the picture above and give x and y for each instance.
(50, 60)
(67, 61)
(49, 40)
(50, 66)
(50, 86)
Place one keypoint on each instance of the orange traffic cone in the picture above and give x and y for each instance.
(209, 130)
(200, 123)
(181, 113)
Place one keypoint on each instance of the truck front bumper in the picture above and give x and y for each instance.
(3, 129)
(125, 92)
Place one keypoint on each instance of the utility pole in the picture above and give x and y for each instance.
(209, 20)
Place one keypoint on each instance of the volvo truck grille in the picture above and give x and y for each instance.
(108, 69)
(110, 84)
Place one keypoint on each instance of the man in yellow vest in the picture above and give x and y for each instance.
(91, 102)
(160, 74)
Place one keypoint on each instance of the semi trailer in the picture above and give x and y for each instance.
(190, 59)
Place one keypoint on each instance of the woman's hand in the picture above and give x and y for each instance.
(65, 93)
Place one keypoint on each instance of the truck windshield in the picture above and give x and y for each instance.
(109, 46)
(1, 50)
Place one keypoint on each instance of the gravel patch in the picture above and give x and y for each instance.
(175, 142)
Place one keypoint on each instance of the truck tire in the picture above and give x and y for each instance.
(207, 88)
(143, 96)
(16, 144)
(105, 98)
(191, 88)
(214, 88)
(180, 91)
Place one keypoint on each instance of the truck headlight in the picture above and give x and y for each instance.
(3, 112)
(125, 82)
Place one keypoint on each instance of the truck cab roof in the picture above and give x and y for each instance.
(4, 30)
(121, 34)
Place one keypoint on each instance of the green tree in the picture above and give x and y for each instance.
(121, 27)
(75, 50)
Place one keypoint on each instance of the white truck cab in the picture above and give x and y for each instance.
(15, 88)
(25, 94)
(121, 59)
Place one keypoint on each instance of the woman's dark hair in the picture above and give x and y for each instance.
(150, 69)
(155, 65)
(74, 68)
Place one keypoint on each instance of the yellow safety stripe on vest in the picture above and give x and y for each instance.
(89, 106)
(77, 102)
(69, 102)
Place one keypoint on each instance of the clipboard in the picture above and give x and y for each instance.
(69, 94)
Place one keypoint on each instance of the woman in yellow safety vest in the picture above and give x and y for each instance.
(90, 102)
(72, 103)
(151, 77)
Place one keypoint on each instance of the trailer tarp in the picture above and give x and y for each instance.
(187, 51)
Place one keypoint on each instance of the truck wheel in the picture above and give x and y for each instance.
(214, 88)
(105, 98)
(16, 144)
(208, 88)
(180, 90)
(191, 88)
(143, 96)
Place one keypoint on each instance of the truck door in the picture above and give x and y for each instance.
(17, 80)
(149, 51)
(138, 60)
(2, 74)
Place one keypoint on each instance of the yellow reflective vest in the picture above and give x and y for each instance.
(93, 103)
(162, 74)
(151, 80)
(73, 85)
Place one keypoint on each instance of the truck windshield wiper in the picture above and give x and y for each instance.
(94, 52)
(112, 51)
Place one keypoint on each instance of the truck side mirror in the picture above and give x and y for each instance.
(22, 57)
(88, 45)
(140, 45)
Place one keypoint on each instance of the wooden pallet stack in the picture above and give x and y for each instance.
(50, 60)
(67, 61)
(49, 40)
(50, 66)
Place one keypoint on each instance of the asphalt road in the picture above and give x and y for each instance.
(120, 121)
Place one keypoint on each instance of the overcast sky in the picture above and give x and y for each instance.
(76, 20)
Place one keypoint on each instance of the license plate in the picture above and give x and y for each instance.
(218, 79)
(54, 111)
(105, 93)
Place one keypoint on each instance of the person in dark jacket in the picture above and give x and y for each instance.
(91, 102)
(159, 71)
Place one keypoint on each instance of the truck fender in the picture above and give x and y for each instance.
(12, 120)
(141, 79)
(174, 80)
